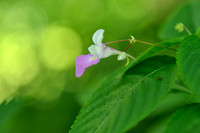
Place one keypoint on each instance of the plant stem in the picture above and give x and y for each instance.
(141, 42)
(187, 29)
(131, 57)
(118, 41)
(128, 46)
(155, 45)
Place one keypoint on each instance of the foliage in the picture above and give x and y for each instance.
(190, 20)
(132, 94)
(122, 102)
(189, 51)
(188, 116)
(39, 92)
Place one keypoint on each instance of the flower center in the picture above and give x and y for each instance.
(93, 58)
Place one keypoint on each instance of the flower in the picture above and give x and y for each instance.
(97, 52)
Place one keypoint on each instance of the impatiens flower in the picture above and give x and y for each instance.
(97, 52)
(100, 50)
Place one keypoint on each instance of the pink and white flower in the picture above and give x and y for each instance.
(97, 52)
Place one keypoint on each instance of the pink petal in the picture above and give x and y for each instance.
(83, 62)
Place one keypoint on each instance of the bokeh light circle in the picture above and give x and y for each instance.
(18, 63)
(60, 47)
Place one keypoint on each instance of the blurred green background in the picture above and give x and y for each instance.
(39, 42)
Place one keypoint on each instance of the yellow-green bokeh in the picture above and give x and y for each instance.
(59, 47)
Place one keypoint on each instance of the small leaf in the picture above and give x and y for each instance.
(188, 59)
(121, 103)
(185, 120)
(188, 15)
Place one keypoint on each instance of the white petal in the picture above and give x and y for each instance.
(98, 37)
(108, 51)
(96, 50)
(92, 50)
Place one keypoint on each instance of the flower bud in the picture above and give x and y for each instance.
(122, 56)
(179, 27)
(132, 39)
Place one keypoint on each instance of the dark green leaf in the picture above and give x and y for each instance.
(185, 120)
(188, 59)
(160, 116)
(29, 116)
(188, 15)
(120, 104)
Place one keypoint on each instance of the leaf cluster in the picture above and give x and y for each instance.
(137, 97)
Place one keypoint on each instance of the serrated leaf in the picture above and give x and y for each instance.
(156, 122)
(188, 59)
(120, 104)
(185, 120)
(188, 15)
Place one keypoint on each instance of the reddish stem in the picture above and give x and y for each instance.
(128, 46)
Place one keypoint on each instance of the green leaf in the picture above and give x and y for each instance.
(120, 103)
(159, 117)
(188, 15)
(31, 116)
(188, 59)
(185, 120)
